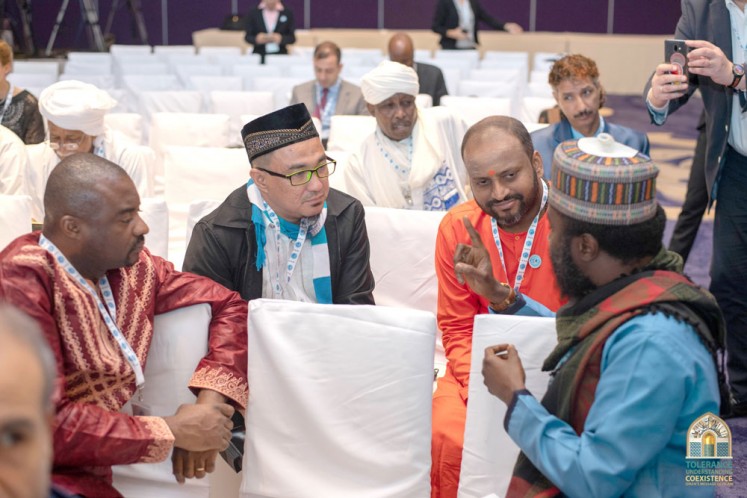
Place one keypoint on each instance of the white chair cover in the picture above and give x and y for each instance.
(210, 51)
(139, 50)
(128, 124)
(206, 83)
(539, 89)
(15, 217)
(36, 67)
(154, 212)
(151, 103)
(174, 49)
(180, 341)
(198, 210)
(188, 130)
(489, 454)
(103, 81)
(236, 104)
(282, 88)
(423, 100)
(531, 107)
(347, 132)
(340, 401)
(473, 109)
(186, 71)
(34, 80)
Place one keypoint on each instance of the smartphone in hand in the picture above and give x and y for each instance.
(675, 52)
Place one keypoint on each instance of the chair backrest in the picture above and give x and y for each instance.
(180, 341)
(496, 89)
(236, 104)
(188, 130)
(15, 217)
(209, 51)
(102, 81)
(539, 89)
(473, 109)
(206, 84)
(489, 453)
(151, 103)
(174, 49)
(128, 124)
(36, 67)
(36, 80)
(531, 107)
(371, 384)
(423, 100)
(198, 209)
(347, 132)
(155, 213)
(282, 88)
(117, 50)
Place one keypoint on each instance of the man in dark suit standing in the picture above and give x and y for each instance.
(329, 94)
(402, 50)
(716, 32)
(270, 28)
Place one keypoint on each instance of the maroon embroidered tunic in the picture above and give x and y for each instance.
(94, 380)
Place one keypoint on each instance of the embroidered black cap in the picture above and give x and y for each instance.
(278, 129)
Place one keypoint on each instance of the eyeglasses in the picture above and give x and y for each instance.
(303, 177)
(67, 144)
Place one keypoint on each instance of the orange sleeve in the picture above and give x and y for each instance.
(457, 304)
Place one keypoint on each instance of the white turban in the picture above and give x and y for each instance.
(387, 79)
(74, 105)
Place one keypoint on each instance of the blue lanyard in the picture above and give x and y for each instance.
(108, 313)
(527, 243)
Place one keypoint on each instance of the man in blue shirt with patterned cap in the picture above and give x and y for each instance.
(635, 363)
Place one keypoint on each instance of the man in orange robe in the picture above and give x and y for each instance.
(508, 208)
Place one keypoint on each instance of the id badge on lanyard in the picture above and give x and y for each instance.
(109, 315)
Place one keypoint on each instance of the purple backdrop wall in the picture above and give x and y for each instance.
(185, 16)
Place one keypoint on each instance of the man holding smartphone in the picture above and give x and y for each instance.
(716, 33)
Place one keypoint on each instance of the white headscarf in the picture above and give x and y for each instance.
(387, 79)
(74, 105)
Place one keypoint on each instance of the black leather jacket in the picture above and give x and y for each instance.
(223, 247)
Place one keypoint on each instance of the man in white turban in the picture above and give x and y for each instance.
(413, 159)
(74, 112)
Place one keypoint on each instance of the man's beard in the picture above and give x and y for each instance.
(506, 221)
(572, 282)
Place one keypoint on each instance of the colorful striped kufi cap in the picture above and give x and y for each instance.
(598, 180)
(278, 129)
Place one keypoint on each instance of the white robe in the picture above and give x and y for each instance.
(13, 163)
(138, 161)
(437, 140)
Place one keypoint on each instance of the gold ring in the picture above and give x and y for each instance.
(200, 469)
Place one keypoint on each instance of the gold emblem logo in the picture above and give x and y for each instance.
(709, 437)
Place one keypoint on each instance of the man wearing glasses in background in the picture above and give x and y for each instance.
(286, 234)
(74, 112)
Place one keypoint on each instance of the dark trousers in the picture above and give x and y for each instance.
(696, 200)
(729, 267)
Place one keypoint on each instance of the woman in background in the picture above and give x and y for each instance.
(19, 110)
(456, 22)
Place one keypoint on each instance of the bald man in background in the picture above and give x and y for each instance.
(402, 49)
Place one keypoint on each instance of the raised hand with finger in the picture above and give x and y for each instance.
(472, 266)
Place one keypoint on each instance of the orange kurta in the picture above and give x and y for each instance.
(457, 307)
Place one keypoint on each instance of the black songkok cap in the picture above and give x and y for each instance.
(277, 130)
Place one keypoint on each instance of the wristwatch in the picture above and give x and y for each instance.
(738, 71)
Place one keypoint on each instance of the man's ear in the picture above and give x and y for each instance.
(537, 164)
(585, 247)
(70, 226)
(259, 179)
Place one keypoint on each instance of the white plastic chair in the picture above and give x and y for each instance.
(155, 213)
(15, 217)
(180, 341)
(356, 412)
(473, 109)
(236, 104)
(489, 453)
(347, 132)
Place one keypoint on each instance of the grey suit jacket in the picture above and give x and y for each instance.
(431, 81)
(349, 101)
(708, 20)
